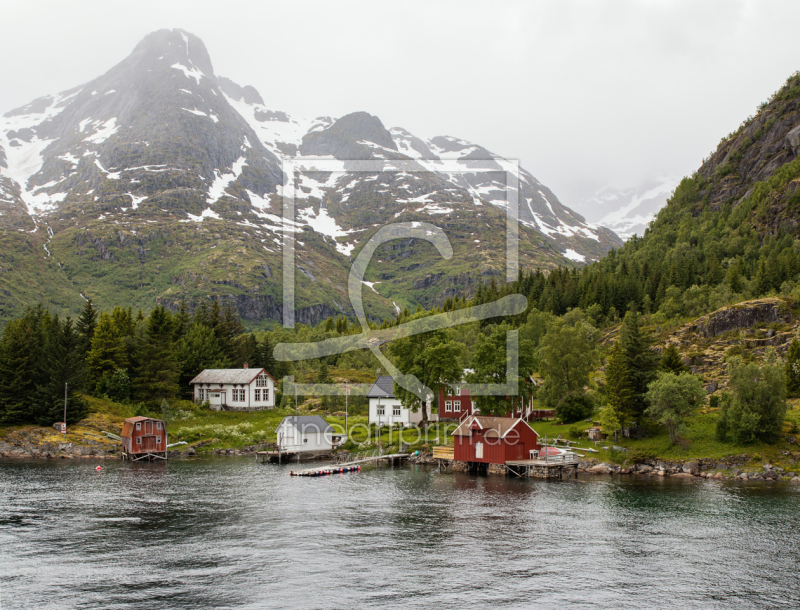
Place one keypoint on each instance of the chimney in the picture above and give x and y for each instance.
(245, 365)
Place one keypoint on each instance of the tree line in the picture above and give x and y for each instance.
(119, 354)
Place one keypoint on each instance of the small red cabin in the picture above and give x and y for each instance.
(144, 438)
(494, 440)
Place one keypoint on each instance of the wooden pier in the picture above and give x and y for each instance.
(393, 457)
(554, 467)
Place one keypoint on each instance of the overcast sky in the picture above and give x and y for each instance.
(583, 93)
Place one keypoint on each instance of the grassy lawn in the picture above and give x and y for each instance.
(697, 440)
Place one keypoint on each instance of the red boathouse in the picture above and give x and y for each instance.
(493, 440)
(144, 438)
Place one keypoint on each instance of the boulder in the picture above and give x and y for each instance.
(691, 467)
(643, 468)
(602, 468)
(619, 449)
(795, 481)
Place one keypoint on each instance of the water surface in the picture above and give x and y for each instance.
(232, 533)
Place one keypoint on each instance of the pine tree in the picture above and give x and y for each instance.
(86, 325)
(181, 322)
(671, 360)
(156, 376)
(619, 389)
(61, 367)
(198, 350)
(641, 360)
(107, 353)
(21, 348)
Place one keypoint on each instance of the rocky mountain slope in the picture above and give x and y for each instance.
(628, 211)
(160, 181)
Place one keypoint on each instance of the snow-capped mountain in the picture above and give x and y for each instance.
(628, 211)
(160, 181)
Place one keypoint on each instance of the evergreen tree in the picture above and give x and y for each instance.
(61, 367)
(264, 358)
(641, 360)
(198, 350)
(107, 353)
(619, 390)
(181, 322)
(671, 360)
(86, 325)
(322, 375)
(156, 376)
(21, 347)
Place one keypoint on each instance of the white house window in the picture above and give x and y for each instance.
(396, 411)
(238, 395)
(448, 406)
(456, 391)
(261, 381)
(138, 425)
(265, 394)
(257, 395)
(381, 410)
(457, 405)
(305, 440)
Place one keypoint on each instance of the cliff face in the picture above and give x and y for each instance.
(759, 162)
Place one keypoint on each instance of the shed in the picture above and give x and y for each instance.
(309, 433)
(595, 434)
(494, 440)
(144, 438)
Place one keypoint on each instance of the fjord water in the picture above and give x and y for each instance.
(232, 533)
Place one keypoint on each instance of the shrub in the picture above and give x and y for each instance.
(573, 407)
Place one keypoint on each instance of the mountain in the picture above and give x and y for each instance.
(728, 233)
(160, 182)
(628, 211)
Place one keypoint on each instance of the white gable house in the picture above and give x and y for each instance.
(299, 433)
(235, 389)
(387, 410)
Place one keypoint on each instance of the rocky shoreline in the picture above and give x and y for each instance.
(702, 468)
(739, 468)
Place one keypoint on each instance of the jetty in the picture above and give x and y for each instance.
(394, 458)
(553, 467)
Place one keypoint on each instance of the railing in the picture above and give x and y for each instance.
(443, 453)
(564, 458)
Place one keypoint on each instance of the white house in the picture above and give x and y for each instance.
(300, 433)
(243, 389)
(387, 410)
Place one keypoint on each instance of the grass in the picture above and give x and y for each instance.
(697, 440)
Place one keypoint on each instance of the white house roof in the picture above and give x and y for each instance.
(307, 423)
(228, 375)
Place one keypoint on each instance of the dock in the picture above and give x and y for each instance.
(554, 467)
(311, 472)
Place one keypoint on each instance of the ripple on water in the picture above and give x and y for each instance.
(231, 533)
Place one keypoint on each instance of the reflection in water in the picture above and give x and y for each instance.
(231, 533)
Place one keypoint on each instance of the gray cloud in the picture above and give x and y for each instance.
(584, 93)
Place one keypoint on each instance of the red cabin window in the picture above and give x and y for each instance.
(138, 440)
(138, 425)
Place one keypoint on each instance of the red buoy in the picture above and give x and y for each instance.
(98, 468)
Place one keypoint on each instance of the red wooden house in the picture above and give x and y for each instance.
(144, 438)
(458, 405)
(493, 440)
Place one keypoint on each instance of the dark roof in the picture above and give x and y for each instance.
(307, 423)
(228, 375)
(382, 388)
(496, 427)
